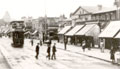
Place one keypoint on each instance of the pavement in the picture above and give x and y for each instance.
(19, 60)
(94, 52)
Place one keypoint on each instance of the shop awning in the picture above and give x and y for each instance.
(111, 30)
(118, 35)
(64, 30)
(85, 29)
(74, 30)
(34, 32)
(28, 32)
(7, 31)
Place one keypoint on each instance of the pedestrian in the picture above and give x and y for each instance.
(83, 46)
(54, 51)
(37, 51)
(112, 55)
(32, 42)
(65, 43)
(88, 44)
(48, 51)
(50, 42)
(58, 39)
(40, 43)
(102, 46)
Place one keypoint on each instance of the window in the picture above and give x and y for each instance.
(108, 16)
(86, 18)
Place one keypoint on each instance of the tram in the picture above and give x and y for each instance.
(17, 33)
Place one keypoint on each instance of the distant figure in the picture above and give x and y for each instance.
(102, 46)
(40, 43)
(32, 42)
(88, 44)
(54, 51)
(117, 55)
(65, 43)
(58, 39)
(112, 55)
(37, 51)
(83, 46)
(50, 41)
(48, 51)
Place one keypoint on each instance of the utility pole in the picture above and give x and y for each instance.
(46, 25)
(117, 4)
(45, 22)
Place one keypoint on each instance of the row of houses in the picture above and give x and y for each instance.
(92, 24)
(4, 22)
(43, 26)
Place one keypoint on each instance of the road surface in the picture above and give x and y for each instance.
(24, 58)
(3, 62)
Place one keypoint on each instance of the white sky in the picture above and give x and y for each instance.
(36, 8)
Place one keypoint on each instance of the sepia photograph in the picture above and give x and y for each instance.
(59, 34)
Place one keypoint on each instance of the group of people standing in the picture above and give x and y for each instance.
(37, 50)
(53, 51)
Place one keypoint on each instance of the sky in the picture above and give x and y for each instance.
(52, 8)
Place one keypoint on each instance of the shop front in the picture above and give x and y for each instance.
(61, 34)
(117, 37)
(71, 34)
(89, 34)
(110, 35)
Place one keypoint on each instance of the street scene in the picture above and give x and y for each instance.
(60, 34)
(25, 58)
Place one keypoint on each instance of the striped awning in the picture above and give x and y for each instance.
(111, 30)
(34, 32)
(85, 30)
(74, 30)
(64, 30)
(118, 35)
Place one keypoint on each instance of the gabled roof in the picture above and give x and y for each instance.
(77, 10)
(90, 9)
(94, 9)
(106, 10)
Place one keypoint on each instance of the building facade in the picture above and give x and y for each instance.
(46, 26)
(86, 15)
(104, 17)
(28, 22)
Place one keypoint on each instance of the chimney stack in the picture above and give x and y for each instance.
(99, 7)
